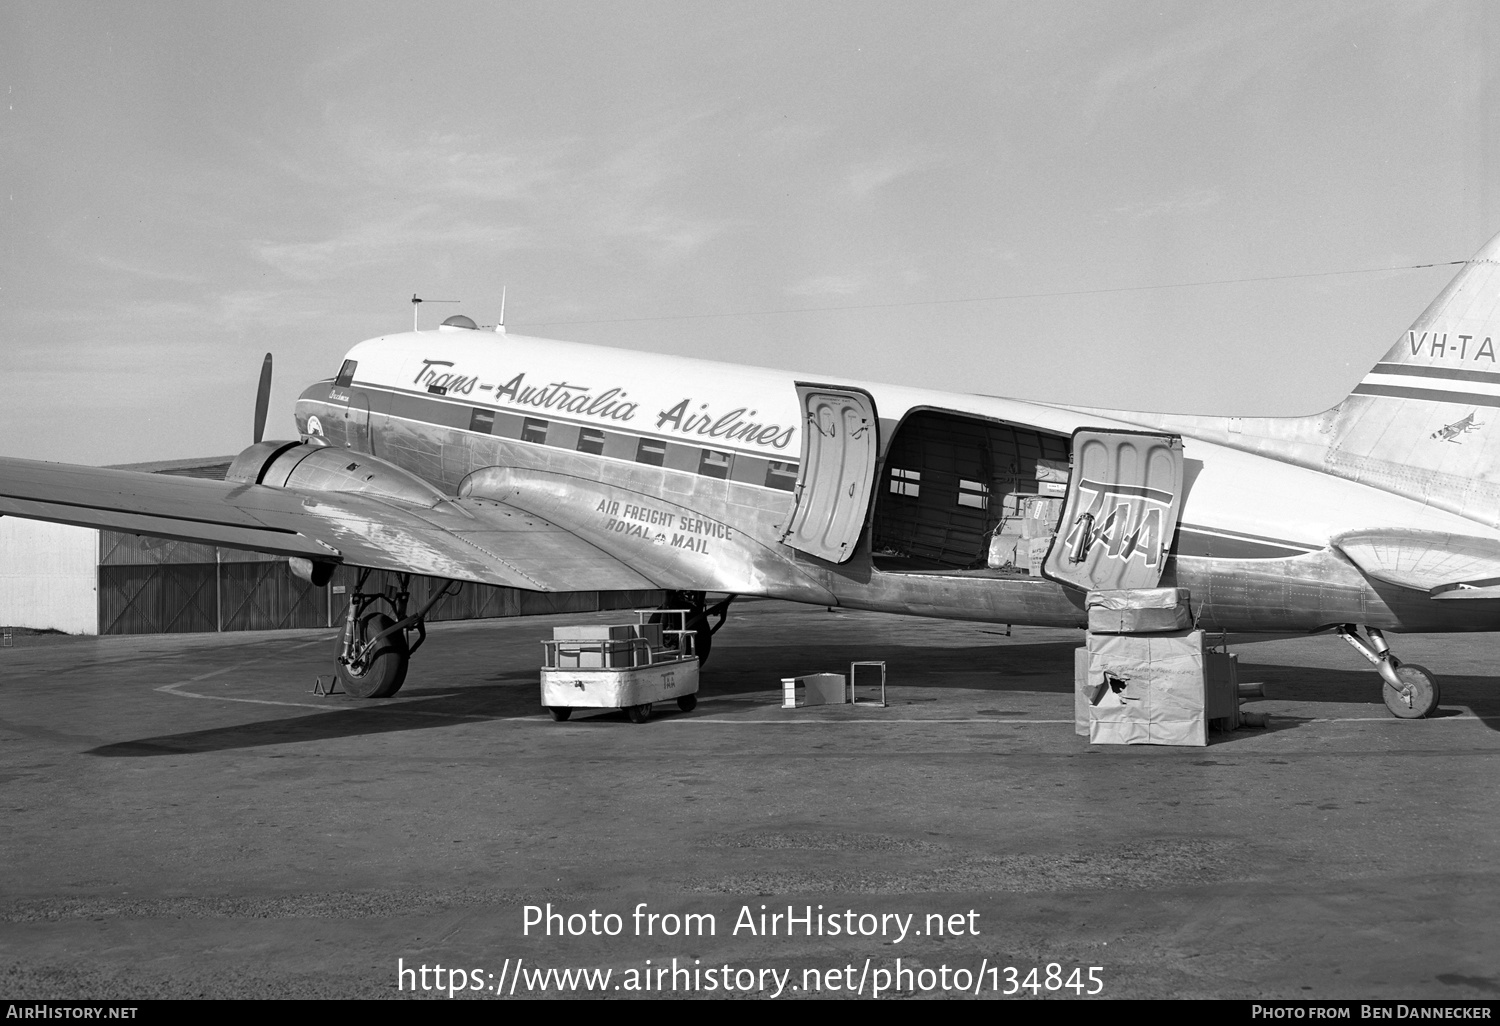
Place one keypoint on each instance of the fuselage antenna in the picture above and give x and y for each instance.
(415, 302)
(500, 328)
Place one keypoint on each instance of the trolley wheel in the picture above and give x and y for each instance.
(385, 671)
(560, 712)
(1418, 698)
(687, 703)
(638, 713)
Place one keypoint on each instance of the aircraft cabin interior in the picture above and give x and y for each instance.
(966, 495)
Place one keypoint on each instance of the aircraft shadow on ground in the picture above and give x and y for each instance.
(736, 671)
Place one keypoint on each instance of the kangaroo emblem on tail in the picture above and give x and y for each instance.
(1454, 432)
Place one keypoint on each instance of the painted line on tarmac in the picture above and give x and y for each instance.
(173, 689)
(863, 723)
(1395, 719)
(1018, 720)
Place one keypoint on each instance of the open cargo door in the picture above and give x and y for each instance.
(1121, 511)
(839, 448)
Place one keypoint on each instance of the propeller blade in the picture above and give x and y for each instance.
(263, 398)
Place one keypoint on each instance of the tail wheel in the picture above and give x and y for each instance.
(384, 671)
(1418, 696)
(638, 713)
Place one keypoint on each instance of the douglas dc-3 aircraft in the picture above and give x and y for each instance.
(478, 455)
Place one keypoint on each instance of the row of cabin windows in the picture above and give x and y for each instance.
(650, 451)
(975, 494)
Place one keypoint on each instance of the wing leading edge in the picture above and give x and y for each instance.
(464, 539)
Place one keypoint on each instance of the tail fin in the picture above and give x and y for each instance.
(1425, 421)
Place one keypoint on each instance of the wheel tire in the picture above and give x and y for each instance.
(386, 670)
(687, 703)
(1419, 698)
(560, 712)
(638, 713)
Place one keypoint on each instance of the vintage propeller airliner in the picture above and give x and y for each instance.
(478, 455)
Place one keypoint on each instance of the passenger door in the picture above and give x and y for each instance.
(839, 450)
(1120, 515)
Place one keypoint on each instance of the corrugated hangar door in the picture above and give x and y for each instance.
(260, 593)
(156, 586)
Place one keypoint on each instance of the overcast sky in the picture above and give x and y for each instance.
(186, 186)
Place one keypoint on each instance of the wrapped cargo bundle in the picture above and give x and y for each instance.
(1139, 611)
(1163, 689)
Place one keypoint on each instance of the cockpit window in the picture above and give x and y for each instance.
(346, 374)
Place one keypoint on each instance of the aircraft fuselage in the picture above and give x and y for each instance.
(687, 472)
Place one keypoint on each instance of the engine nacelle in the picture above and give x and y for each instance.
(323, 468)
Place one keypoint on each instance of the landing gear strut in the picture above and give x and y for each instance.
(375, 646)
(1411, 691)
(695, 602)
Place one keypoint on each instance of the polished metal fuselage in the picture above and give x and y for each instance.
(683, 530)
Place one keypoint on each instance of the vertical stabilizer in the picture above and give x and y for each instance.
(1425, 421)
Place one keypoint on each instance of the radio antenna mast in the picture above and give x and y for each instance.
(415, 302)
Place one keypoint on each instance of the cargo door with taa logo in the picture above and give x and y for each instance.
(839, 449)
(1123, 499)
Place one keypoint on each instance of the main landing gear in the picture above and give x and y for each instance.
(375, 646)
(1411, 691)
(696, 603)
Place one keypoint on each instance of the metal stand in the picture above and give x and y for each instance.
(853, 700)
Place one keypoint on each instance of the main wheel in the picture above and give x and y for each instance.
(687, 703)
(638, 713)
(385, 670)
(1419, 695)
(560, 712)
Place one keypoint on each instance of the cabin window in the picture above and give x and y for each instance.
(534, 430)
(346, 374)
(975, 494)
(906, 482)
(714, 463)
(482, 421)
(781, 475)
(591, 441)
(651, 451)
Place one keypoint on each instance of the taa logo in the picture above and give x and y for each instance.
(1130, 529)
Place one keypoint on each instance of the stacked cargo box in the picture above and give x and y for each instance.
(1029, 520)
(1146, 677)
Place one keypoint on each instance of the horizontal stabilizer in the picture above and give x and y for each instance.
(1444, 565)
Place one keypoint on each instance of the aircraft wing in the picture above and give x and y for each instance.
(464, 539)
(1446, 566)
